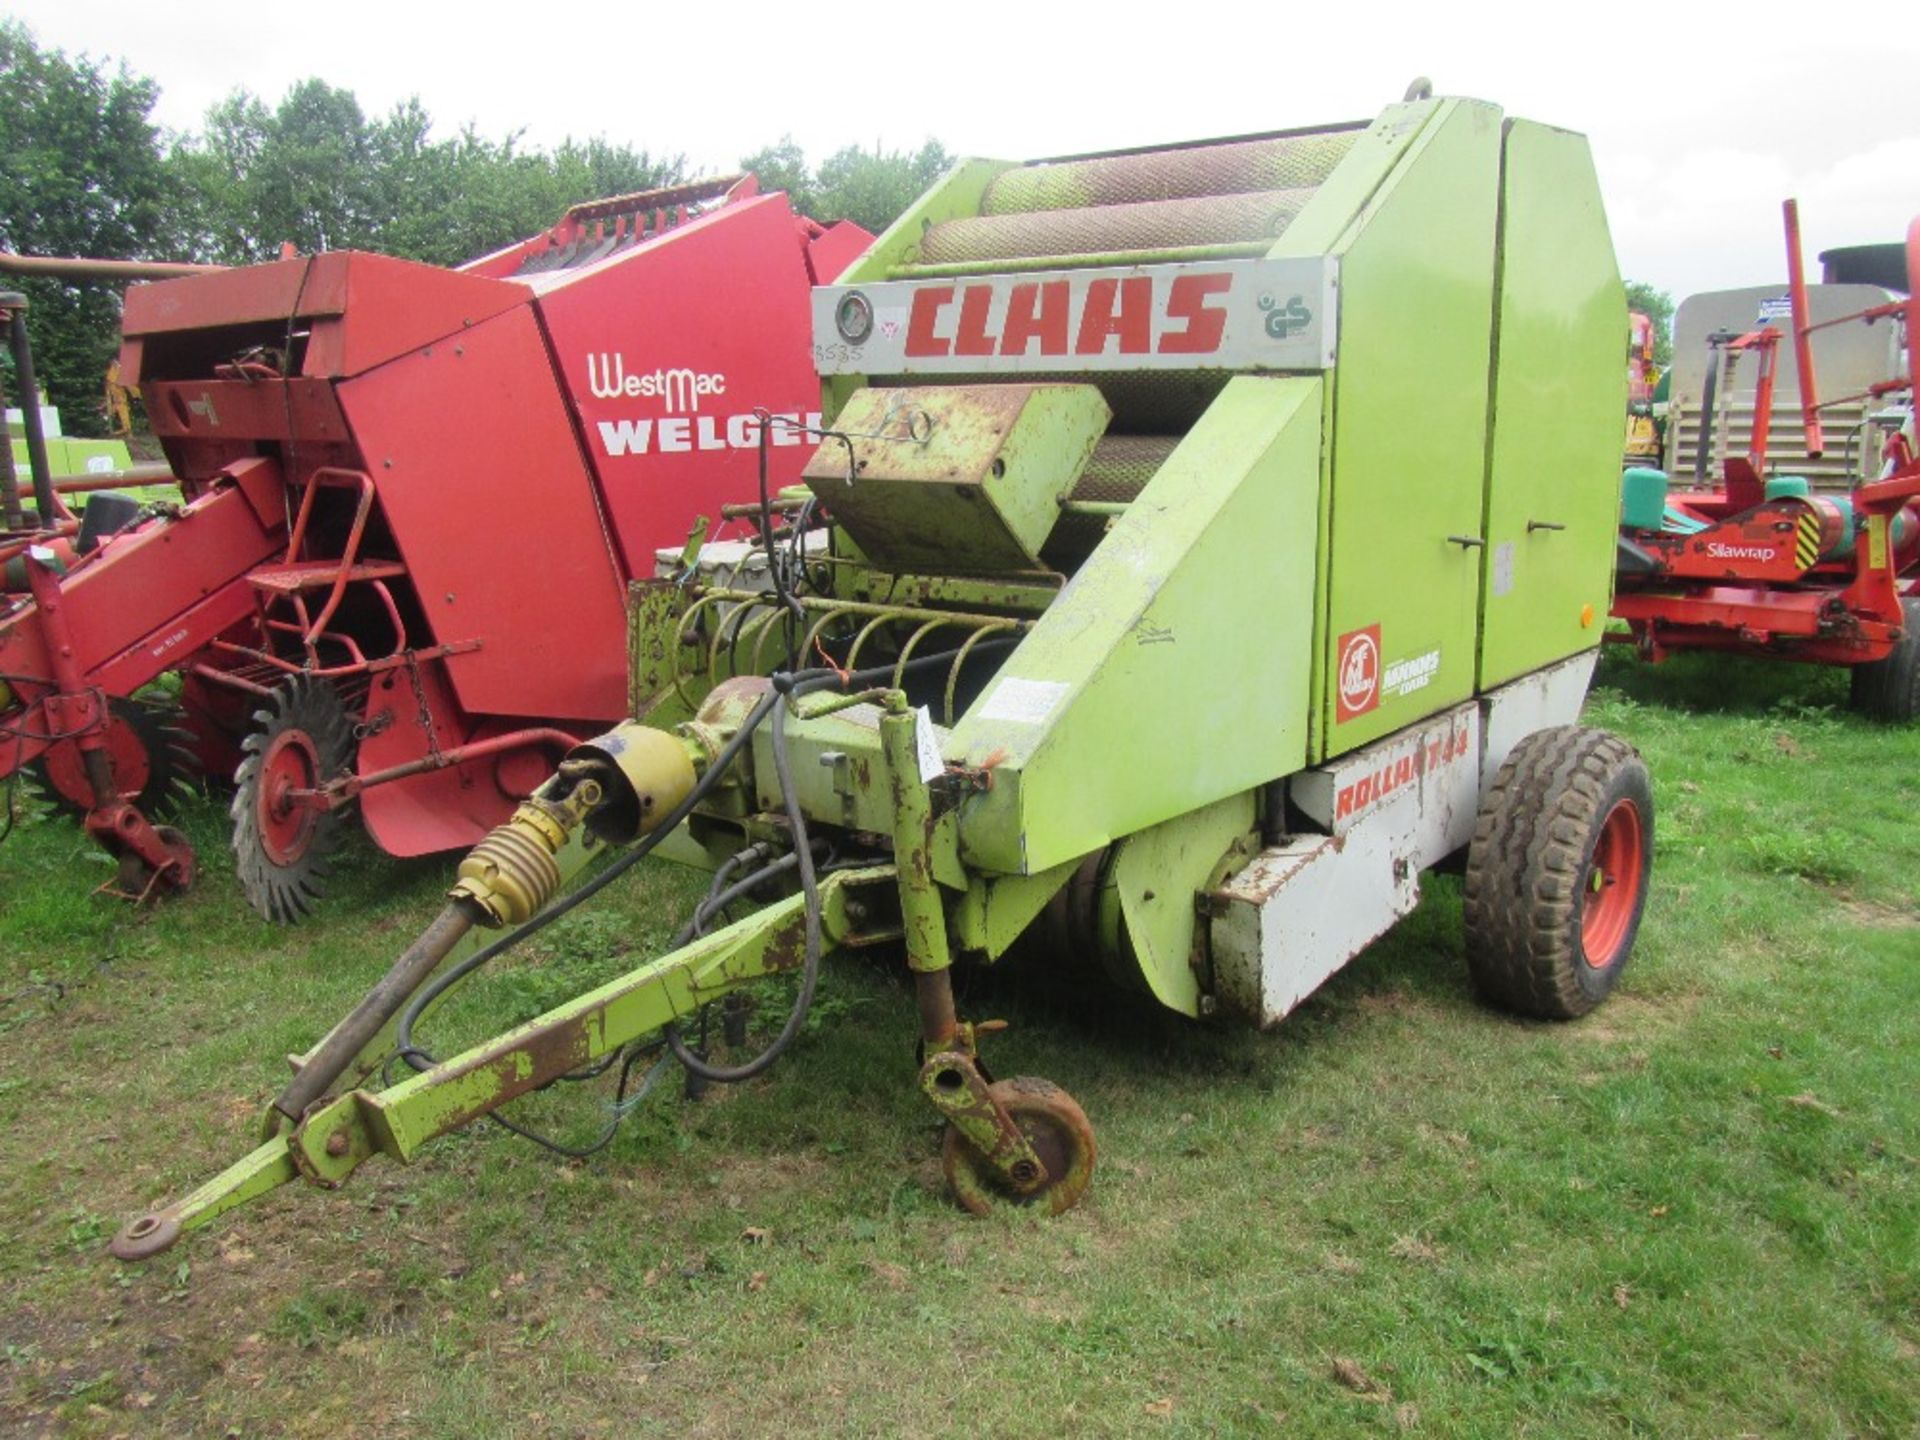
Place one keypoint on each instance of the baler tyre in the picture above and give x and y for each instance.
(1889, 689)
(1557, 872)
(1058, 1130)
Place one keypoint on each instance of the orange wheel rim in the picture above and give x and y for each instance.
(1612, 884)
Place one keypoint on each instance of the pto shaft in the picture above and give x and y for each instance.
(381, 1004)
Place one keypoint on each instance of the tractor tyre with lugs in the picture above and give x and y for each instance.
(1057, 1129)
(1557, 872)
(1889, 689)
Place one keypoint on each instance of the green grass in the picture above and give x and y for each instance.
(1693, 1214)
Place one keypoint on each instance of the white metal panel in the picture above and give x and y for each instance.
(1217, 315)
(1300, 910)
(1552, 696)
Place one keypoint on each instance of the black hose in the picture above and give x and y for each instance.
(784, 687)
(810, 967)
(403, 1031)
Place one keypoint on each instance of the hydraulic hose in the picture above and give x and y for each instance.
(403, 1035)
(784, 687)
(810, 969)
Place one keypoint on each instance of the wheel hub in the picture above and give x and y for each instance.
(290, 763)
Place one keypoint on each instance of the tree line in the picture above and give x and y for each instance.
(87, 172)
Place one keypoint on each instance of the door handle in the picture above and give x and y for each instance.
(1533, 525)
(1467, 542)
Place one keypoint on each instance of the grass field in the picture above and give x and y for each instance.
(1696, 1213)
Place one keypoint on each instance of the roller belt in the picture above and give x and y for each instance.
(1287, 162)
(1144, 402)
(1121, 465)
(1151, 225)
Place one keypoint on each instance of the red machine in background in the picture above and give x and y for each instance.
(413, 499)
(1767, 566)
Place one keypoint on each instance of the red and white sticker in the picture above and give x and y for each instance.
(1225, 314)
(1356, 673)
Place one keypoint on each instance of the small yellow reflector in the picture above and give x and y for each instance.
(1586, 616)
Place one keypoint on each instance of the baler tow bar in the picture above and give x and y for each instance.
(631, 787)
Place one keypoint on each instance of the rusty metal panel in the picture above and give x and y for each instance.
(1142, 225)
(1227, 167)
(957, 479)
(1302, 909)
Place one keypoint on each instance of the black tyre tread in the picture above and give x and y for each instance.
(1526, 863)
(1889, 689)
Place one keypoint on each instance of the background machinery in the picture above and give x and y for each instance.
(1821, 564)
(401, 485)
(1644, 420)
(1204, 545)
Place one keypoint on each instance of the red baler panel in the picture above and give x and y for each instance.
(395, 305)
(481, 478)
(834, 249)
(667, 350)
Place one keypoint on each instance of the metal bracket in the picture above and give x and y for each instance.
(958, 1090)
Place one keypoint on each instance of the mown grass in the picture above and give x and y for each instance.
(1693, 1214)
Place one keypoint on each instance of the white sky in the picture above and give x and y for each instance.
(1702, 116)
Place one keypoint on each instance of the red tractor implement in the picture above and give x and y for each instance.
(412, 500)
(1767, 566)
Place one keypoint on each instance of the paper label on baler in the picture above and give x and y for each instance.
(1218, 315)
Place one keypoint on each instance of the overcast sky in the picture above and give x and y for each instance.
(1703, 116)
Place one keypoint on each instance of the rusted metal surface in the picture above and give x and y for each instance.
(266, 1168)
(371, 1015)
(1148, 226)
(665, 197)
(933, 995)
(73, 268)
(921, 906)
(1051, 1125)
(960, 479)
(953, 1082)
(670, 988)
(156, 472)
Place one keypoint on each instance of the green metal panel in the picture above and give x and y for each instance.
(839, 772)
(1173, 669)
(1329, 215)
(955, 194)
(1409, 435)
(1559, 393)
(977, 489)
(1152, 885)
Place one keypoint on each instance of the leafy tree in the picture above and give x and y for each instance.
(316, 172)
(870, 187)
(1657, 306)
(784, 167)
(83, 175)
